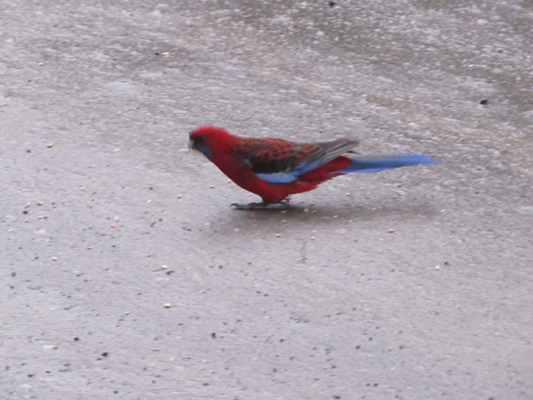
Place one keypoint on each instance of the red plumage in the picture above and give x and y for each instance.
(236, 156)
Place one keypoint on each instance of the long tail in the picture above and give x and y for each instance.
(381, 162)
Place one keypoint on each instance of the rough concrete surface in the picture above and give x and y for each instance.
(408, 284)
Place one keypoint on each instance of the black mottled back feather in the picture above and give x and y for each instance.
(270, 156)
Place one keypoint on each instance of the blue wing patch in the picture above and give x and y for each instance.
(289, 176)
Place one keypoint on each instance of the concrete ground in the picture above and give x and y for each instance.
(124, 274)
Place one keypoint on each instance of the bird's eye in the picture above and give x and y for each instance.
(201, 139)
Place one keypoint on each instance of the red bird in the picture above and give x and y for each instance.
(276, 168)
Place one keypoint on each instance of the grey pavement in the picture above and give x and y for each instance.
(124, 272)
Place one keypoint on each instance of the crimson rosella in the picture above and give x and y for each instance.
(276, 168)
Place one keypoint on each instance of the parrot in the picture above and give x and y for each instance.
(274, 168)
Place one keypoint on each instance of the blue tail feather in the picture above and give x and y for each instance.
(381, 162)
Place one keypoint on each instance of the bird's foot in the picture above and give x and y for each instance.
(250, 206)
(259, 206)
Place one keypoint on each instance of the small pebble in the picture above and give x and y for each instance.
(179, 196)
(113, 226)
(127, 313)
(39, 203)
(167, 305)
(211, 186)
(164, 266)
(278, 235)
(54, 258)
(50, 145)
(391, 231)
(437, 267)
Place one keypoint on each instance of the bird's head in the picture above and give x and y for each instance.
(205, 139)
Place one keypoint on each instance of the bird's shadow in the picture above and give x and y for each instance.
(370, 209)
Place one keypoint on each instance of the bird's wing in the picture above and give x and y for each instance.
(281, 161)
